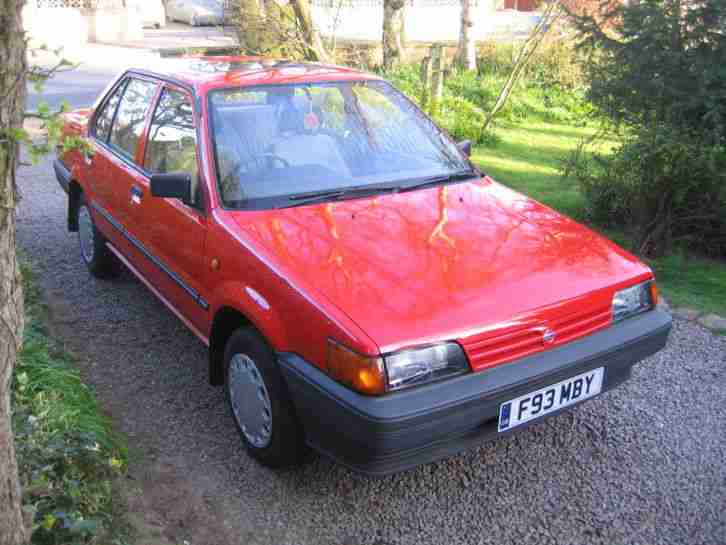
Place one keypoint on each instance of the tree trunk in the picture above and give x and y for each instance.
(393, 31)
(12, 105)
(316, 49)
(550, 14)
(247, 18)
(466, 54)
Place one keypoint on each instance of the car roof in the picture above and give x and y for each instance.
(207, 72)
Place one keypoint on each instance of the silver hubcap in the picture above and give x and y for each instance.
(250, 400)
(85, 233)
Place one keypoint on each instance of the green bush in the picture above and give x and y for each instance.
(68, 455)
(665, 185)
(555, 63)
(463, 120)
(660, 79)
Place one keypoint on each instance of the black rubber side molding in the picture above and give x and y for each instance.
(62, 174)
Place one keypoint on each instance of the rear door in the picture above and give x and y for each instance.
(97, 168)
(126, 174)
(174, 232)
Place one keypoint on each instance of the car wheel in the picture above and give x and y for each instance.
(94, 252)
(259, 401)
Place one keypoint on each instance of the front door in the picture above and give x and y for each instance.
(172, 231)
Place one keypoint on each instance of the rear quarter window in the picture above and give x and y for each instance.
(104, 119)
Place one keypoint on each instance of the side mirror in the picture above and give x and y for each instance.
(465, 147)
(175, 185)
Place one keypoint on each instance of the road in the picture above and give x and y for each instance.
(98, 64)
(78, 87)
(81, 85)
(641, 464)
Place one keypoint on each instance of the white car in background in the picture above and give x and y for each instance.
(151, 12)
(196, 12)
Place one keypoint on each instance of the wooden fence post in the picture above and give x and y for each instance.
(426, 83)
(437, 78)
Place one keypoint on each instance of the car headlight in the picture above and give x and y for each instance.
(397, 370)
(634, 300)
(419, 365)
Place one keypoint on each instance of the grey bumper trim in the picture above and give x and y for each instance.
(390, 433)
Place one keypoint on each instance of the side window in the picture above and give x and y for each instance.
(105, 117)
(131, 116)
(172, 143)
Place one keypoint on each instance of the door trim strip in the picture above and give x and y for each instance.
(156, 292)
(151, 257)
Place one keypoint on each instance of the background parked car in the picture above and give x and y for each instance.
(151, 12)
(196, 12)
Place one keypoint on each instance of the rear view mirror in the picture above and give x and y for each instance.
(465, 147)
(175, 185)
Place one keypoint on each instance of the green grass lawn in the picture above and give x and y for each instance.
(527, 158)
(71, 460)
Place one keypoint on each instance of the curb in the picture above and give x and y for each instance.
(710, 321)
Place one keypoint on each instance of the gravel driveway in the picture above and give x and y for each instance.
(644, 463)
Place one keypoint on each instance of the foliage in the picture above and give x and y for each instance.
(665, 66)
(666, 186)
(659, 78)
(555, 63)
(527, 158)
(468, 96)
(68, 455)
(51, 123)
(277, 29)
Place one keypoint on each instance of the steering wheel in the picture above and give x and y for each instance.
(268, 159)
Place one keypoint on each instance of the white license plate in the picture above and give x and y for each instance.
(549, 399)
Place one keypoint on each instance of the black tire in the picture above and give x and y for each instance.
(286, 444)
(98, 258)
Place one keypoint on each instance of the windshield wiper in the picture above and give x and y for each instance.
(367, 190)
(431, 181)
(337, 194)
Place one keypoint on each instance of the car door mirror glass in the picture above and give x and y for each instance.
(174, 185)
(465, 147)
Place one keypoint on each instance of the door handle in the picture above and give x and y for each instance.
(88, 156)
(136, 194)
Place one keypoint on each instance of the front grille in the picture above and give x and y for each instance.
(521, 338)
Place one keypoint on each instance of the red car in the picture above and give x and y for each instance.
(362, 287)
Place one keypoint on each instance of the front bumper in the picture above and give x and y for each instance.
(398, 431)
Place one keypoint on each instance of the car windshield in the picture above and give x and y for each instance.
(280, 145)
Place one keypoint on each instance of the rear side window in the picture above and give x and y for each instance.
(105, 117)
(131, 116)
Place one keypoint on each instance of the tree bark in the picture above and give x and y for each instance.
(12, 105)
(316, 49)
(248, 19)
(393, 32)
(466, 53)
